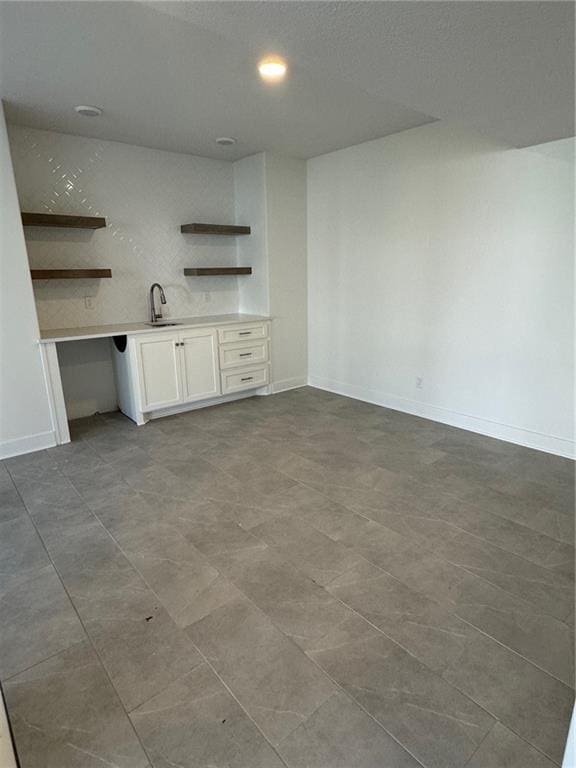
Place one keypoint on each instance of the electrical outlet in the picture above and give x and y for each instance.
(419, 382)
(89, 302)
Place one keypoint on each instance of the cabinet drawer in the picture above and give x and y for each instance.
(243, 332)
(233, 355)
(249, 378)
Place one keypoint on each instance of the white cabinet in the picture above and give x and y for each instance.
(244, 332)
(243, 353)
(167, 371)
(177, 368)
(247, 378)
(158, 371)
(199, 364)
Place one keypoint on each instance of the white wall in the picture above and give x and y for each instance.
(25, 420)
(145, 196)
(286, 229)
(271, 196)
(436, 253)
(250, 195)
(87, 373)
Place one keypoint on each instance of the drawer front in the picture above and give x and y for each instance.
(243, 332)
(233, 355)
(250, 378)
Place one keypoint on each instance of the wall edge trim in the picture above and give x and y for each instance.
(286, 384)
(27, 444)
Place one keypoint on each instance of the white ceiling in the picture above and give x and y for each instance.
(177, 75)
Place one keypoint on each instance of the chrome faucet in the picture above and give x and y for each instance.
(155, 316)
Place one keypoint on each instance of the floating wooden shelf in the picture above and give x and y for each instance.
(211, 271)
(68, 274)
(60, 220)
(214, 229)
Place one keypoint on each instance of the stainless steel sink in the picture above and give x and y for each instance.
(161, 324)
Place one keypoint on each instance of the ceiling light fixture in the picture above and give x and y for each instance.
(226, 141)
(88, 111)
(272, 69)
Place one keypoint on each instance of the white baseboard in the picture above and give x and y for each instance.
(7, 753)
(176, 409)
(28, 444)
(286, 384)
(560, 446)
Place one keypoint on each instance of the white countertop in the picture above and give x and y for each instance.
(120, 329)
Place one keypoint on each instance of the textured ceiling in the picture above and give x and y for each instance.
(177, 75)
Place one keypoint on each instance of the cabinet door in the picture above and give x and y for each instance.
(159, 371)
(200, 375)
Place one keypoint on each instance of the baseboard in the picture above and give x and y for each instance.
(184, 407)
(27, 444)
(285, 384)
(528, 438)
(7, 750)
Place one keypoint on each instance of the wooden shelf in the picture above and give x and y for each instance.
(215, 271)
(69, 274)
(60, 220)
(214, 229)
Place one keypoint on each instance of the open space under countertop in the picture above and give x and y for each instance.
(120, 329)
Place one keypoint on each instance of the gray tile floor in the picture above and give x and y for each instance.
(302, 580)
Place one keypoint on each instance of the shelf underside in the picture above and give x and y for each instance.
(62, 221)
(214, 229)
(69, 274)
(216, 271)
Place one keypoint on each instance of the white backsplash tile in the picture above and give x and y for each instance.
(145, 196)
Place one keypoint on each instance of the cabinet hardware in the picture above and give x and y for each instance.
(247, 378)
(246, 354)
(244, 333)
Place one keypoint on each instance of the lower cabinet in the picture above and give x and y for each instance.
(166, 369)
(177, 368)
(199, 365)
(158, 359)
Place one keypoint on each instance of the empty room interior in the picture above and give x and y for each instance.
(287, 384)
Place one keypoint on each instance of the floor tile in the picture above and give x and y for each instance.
(340, 735)
(311, 552)
(140, 646)
(196, 722)
(89, 561)
(21, 550)
(271, 678)
(216, 537)
(11, 504)
(177, 581)
(65, 714)
(429, 631)
(217, 558)
(296, 604)
(546, 589)
(503, 749)
(532, 704)
(551, 522)
(38, 620)
(545, 641)
(431, 719)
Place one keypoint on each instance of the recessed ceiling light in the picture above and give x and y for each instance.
(226, 141)
(88, 111)
(272, 69)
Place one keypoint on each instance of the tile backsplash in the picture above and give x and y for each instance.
(145, 196)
